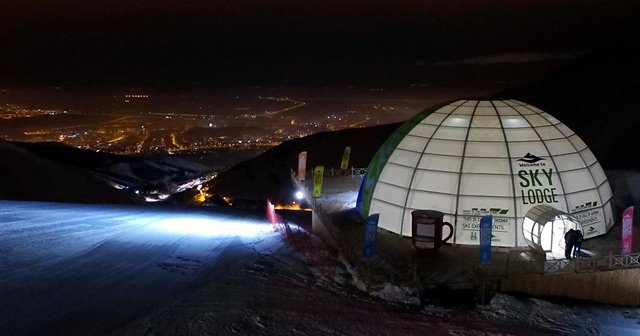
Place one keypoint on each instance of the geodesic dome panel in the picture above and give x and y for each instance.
(473, 158)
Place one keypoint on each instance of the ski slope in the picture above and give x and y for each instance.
(68, 269)
(86, 269)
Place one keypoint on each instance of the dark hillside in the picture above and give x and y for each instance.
(86, 159)
(26, 176)
(131, 170)
(269, 174)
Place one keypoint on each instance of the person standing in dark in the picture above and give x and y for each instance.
(577, 243)
(569, 239)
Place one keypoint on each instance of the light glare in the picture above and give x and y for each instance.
(205, 227)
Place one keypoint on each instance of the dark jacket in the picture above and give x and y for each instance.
(578, 238)
(570, 237)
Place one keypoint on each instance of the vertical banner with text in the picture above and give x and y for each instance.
(486, 223)
(302, 166)
(318, 174)
(344, 165)
(627, 230)
(370, 232)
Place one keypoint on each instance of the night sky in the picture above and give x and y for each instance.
(182, 43)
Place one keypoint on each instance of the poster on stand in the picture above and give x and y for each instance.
(318, 175)
(486, 224)
(627, 230)
(302, 166)
(344, 165)
(370, 233)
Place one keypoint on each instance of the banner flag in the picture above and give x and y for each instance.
(344, 165)
(370, 233)
(318, 174)
(271, 212)
(627, 230)
(359, 199)
(302, 166)
(486, 223)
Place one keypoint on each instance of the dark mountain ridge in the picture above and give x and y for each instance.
(52, 171)
(27, 176)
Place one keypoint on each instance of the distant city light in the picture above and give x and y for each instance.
(149, 129)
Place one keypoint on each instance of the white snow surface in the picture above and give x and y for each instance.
(565, 318)
(123, 170)
(69, 269)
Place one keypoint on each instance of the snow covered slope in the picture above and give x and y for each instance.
(52, 166)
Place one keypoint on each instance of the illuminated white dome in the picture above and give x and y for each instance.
(471, 158)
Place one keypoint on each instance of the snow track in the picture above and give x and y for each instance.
(85, 270)
(137, 271)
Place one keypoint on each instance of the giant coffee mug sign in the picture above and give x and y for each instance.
(627, 230)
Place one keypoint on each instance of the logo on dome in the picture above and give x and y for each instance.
(585, 206)
(530, 158)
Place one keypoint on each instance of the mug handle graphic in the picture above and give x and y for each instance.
(450, 231)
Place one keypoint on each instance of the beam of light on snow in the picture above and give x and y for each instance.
(210, 227)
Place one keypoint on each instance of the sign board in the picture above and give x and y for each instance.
(370, 233)
(486, 224)
(592, 222)
(537, 182)
(468, 227)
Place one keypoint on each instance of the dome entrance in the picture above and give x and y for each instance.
(544, 228)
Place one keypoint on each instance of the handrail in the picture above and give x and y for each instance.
(559, 266)
(487, 278)
(333, 172)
